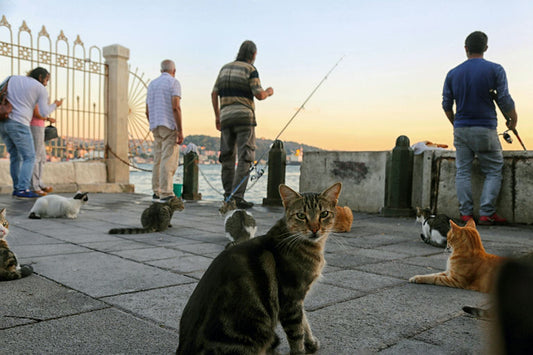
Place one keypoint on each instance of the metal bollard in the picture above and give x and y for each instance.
(398, 186)
(190, 177)
(277, 160)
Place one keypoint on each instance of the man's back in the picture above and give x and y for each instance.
(159, 100)
(469, 84)
(23, 92)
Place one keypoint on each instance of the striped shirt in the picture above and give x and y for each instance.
(159, 101)
(237, 83)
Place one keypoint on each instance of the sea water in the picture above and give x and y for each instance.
(210, 185)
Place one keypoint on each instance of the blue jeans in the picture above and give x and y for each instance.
(19, 143)
(484, 143)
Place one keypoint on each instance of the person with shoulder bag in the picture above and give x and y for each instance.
(24, 93)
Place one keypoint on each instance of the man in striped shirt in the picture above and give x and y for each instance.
(236, 86)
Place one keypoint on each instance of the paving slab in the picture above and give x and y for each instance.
(99, 274)
(107, 331)
(93, 292)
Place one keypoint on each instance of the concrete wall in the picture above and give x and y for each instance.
(516, 195)
(363, 175)
(86, 176)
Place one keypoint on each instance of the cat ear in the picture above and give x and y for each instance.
(453, 225)
(471, 223)
(332, 193)
(287, 194)
(3, 212)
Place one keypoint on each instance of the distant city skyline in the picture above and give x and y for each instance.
(388, 84)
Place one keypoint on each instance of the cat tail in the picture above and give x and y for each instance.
(25, 270)
(130, 230)
(477, 312)
(34, 216)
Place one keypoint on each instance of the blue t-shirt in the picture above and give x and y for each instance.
(469, 84)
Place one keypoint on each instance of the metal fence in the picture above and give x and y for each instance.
(78, 76)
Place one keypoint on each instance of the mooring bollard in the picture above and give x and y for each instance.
(399, 181)
(190, 177)
(277, 160)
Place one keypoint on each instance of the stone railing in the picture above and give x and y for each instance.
(364, 176)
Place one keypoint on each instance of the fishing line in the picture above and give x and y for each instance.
(262, 171)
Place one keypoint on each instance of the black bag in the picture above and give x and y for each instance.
(5, 106)
(50, 132)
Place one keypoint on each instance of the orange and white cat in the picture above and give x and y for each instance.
(343, 219)
(469, 266)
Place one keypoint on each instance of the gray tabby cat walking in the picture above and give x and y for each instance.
(239, 226)
(155, 218)
(253, 285)
(434, 227)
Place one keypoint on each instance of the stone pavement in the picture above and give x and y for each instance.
(95, 293)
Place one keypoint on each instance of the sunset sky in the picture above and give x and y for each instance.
(389, 83)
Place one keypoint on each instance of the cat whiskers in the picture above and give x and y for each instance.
(338, 240)
(291, 241)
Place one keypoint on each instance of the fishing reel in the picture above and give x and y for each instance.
(507, 137)
(258, 174)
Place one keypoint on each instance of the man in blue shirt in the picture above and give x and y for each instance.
(474, 123)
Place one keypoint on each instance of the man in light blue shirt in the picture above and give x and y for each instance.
(24, 92)
(474, 123)
(163, 111)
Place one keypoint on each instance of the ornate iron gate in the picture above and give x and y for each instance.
(77, 75)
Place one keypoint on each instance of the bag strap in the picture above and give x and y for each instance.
(3, 91)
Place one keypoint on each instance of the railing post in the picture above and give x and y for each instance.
(399, 180)
(116, 103)
(277, 160)
(190, 177)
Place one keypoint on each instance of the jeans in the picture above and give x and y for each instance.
(19, 143)
(166, 154)
(484, 143)
(40, 157)
(242, 140)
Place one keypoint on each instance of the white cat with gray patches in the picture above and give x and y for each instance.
(434, 227)
(55, 206)
(239, 226)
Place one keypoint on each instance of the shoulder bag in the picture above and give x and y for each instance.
(5, 106)
(50, 132)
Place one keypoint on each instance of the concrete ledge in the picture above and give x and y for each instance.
(72, 176)
(362, 175)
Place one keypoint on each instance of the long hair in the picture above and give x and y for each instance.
(39, 74)
(247, 52)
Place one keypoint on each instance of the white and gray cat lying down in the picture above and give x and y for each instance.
(55, 206)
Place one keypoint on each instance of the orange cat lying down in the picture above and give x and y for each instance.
(343, 219)
(469, 266)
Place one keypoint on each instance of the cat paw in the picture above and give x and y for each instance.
(26, 270)
(312, 345)
(413, 279)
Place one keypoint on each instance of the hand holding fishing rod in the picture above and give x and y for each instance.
(510, 122)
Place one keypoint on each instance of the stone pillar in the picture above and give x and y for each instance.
(116, 101)
(190, 177)
(399, 180)
(277, 160)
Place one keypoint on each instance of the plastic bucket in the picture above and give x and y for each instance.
(177, 189)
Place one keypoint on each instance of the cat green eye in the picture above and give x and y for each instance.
(324, 214)
(300, 216)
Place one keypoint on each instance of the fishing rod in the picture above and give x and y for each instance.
(262, 171)
(494, 96)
